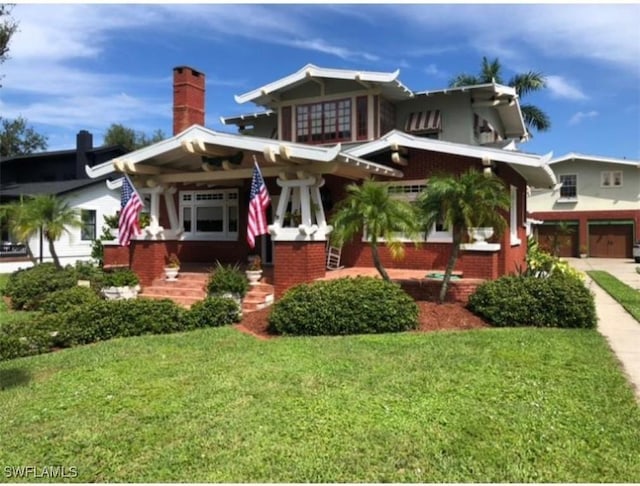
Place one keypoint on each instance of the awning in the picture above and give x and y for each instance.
(423, 121)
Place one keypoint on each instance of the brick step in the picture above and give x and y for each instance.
(185, 284)
(175, 291)
(195, 278)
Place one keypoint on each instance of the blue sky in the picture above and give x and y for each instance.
(86, 66)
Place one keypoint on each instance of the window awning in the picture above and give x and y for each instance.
(423, 121)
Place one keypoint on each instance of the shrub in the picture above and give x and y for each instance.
(227, 279)
(24, 339)
(557, 301)
(28, 287)
(63, 300)
(120, 277)
(211, 312)
(344, 306)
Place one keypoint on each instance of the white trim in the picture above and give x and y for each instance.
(513, 216)
(572, 156)
(224, 202)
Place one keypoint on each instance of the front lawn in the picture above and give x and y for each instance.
(215, 405)
(626, 296)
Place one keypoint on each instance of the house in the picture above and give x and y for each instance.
(61, 173)
(318, 130)
(595, 211)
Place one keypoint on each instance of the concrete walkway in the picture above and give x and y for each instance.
(620, 329)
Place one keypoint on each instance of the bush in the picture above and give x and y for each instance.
(24, 339)
(557, 301)
(120, 277)
(28, 287)
(227, 279)
(109, 319)
(211, 312)
(64, 300)
(344, 306)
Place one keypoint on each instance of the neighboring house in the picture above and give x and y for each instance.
(62, 173)
(319, 130)
(596, 209)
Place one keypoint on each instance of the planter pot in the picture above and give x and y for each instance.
(480, 234)
(171, 273)
(254, 276)
(120, 293)
(583, 255)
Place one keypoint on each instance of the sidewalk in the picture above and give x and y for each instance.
(620, 329)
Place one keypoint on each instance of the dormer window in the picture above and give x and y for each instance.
(325, 122)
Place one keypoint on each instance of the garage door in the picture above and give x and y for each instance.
(613, 240)
(561, 240)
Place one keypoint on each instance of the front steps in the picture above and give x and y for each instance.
(190, 287)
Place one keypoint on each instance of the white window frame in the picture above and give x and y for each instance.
(608, 177)
(84, 223)
(409, 192)
(568, 198)
(513, 217)
(227, 198)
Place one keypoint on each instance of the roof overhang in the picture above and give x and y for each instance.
(388, 83)
(184, 158)
(245, 119)
(533, 168)
(570, 157)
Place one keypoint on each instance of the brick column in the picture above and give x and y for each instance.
(148, 259)
(480, 264)
(297, 262)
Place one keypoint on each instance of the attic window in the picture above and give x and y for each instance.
(423, 121)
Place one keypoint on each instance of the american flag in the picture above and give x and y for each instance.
(130, 206)
(258, 203)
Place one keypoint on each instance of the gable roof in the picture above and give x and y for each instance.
(50, 187)
(534, 168)
(387, 82)
(572, 156)
(184, 151)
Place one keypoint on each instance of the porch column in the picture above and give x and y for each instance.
(299, 232)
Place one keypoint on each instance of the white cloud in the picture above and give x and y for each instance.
(320, 45)
(559, 87)
(580, 116)
(433, 70)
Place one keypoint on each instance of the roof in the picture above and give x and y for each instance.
(243, 119)
(595, 158)
(534, 168)
(387, 82)
(180, 158)
(50, 187)
(65, 152)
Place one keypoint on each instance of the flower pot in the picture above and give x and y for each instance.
(171, 273)
(480, 234)
(254, 276)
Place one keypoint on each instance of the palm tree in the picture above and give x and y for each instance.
(45, 213)
(459, 202)
(371, 206)
(525, 83)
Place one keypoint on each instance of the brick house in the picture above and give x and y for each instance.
(320, 129)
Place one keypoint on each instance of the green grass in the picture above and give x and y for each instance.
(628, 297)
(215, 405)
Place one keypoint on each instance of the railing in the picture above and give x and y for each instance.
(12, 250)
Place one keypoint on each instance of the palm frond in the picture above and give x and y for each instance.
(528, 82)
(534, 117)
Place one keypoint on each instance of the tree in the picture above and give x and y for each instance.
(46, 213)
(469, 200)
(16, 138)
(131, 140)
(525, 83)
(371, 206)
(8, 27)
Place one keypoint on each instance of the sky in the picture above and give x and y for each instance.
(77, 66)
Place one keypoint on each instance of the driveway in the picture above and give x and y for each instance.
(624, 269)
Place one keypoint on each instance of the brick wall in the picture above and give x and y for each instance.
(429, 290)
(116, 256)
(297, 262)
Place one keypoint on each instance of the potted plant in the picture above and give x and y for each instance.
(480, 234)
(120, 284)
(228, 281)
(172, 267)
(254, 270)
(583, 251)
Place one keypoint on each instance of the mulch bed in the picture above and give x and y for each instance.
(433, 317)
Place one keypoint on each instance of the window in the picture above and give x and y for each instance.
(210, 214)
(286, 123)
(88, 228)
(569, 186)
(325, 122)
(387, 116)
(362, 119)
(513, 216)
(611, 178)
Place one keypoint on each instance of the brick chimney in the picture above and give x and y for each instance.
(188, 98)
(84, 144)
